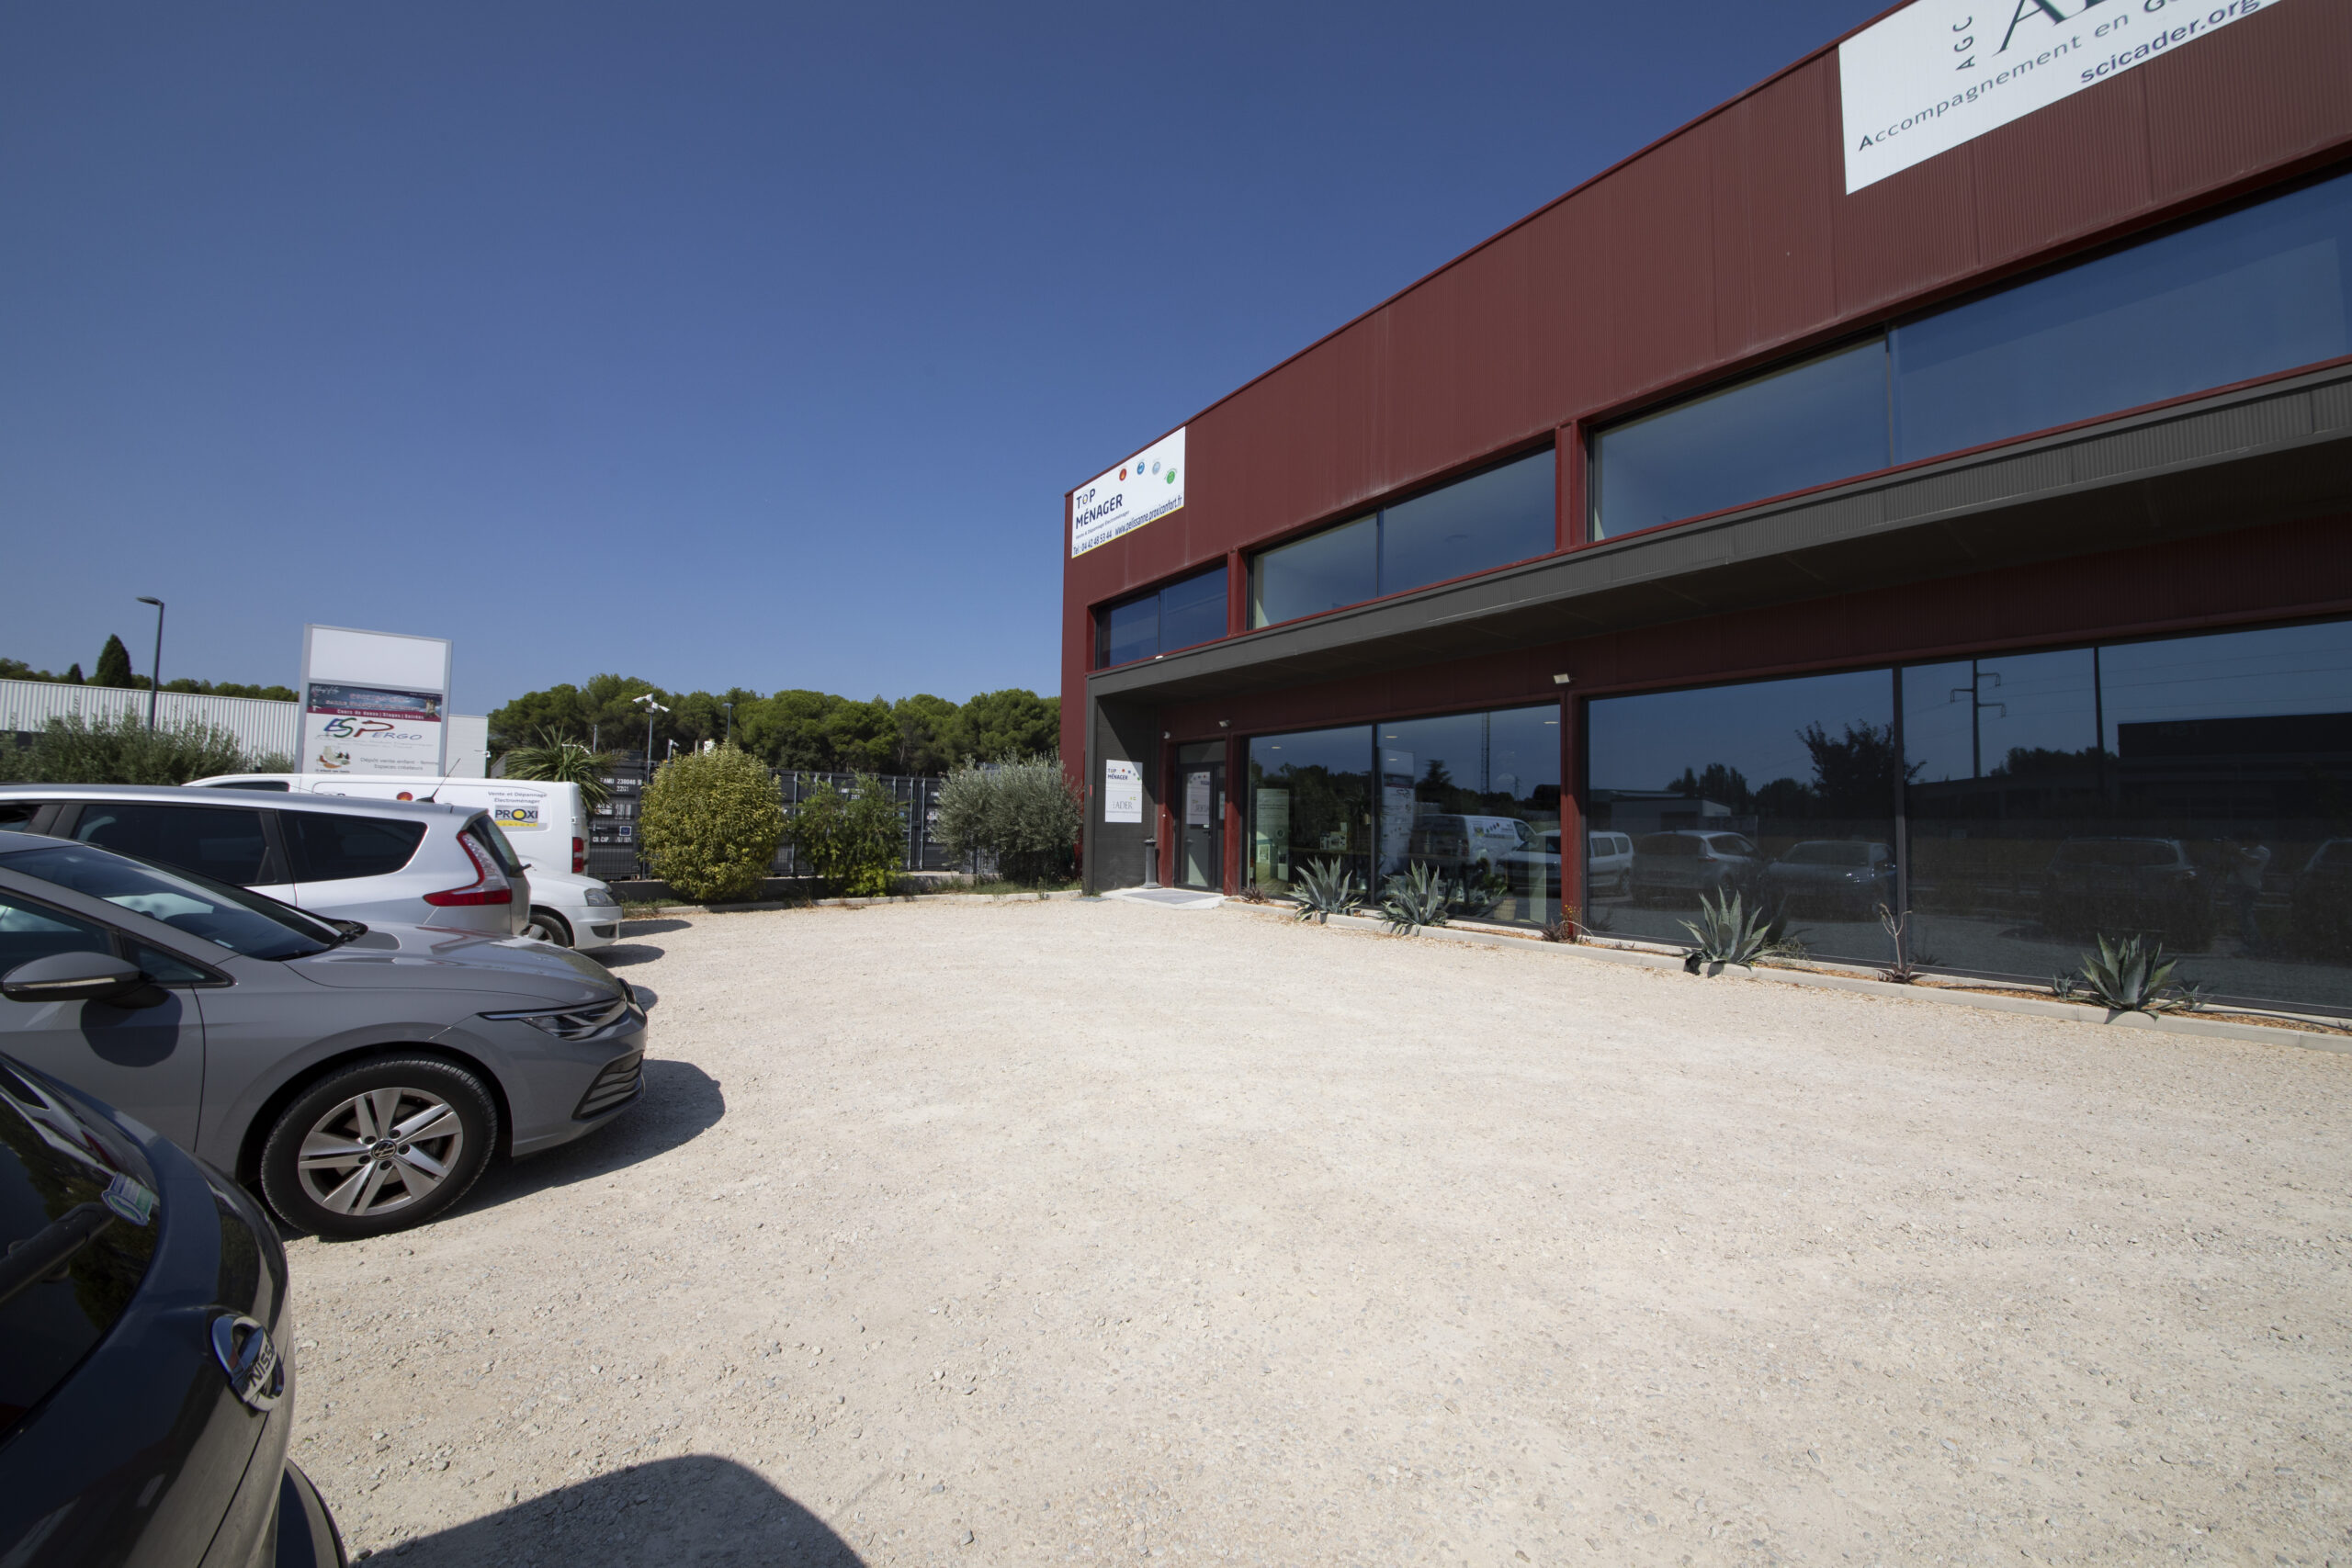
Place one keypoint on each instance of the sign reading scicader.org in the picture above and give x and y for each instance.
(1148, 486)
(1938, 73)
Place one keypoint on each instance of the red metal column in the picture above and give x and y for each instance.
(1574, 513)
(1572, 828)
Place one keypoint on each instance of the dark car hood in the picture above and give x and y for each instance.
(394, 957)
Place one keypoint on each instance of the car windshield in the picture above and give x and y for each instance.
(242, 921)
(1823, 851)
(499, 848)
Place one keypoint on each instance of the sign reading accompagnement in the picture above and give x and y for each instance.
(1939, 73)
(1122, 792)
(1146, 486)
(374, 702)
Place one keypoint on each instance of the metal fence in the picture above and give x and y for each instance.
(614, 850)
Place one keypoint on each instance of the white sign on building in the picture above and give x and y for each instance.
(1122, 792)
(374, 702)
(1938, 73)
(1148, 485)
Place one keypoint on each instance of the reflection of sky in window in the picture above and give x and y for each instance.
(2281, 670)
(1345, 750)
(1646, 742)
(2030, 701)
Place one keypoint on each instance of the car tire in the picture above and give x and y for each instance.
(448, 1112)
(546, 925)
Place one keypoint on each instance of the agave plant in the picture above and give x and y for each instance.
(1418, 897)
(1327, 888)
(1252, 893)
(1729, 932)
(2130, 977)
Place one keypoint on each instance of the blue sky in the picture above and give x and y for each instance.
(719, 343)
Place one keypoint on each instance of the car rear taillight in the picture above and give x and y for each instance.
(489, 886)
(579, 856)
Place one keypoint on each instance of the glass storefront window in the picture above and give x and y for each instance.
(1809, 425)
(1779, 790)
(1310, 799)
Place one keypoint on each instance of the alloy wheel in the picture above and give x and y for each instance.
(380, 1151)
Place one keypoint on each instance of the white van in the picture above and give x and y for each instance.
(546, 823)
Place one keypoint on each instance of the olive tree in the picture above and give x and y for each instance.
(709, 824)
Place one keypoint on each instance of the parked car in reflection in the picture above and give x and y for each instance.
(2322, 901)
(1466, 846)
(1844, 876)
(1608, 862)
(1687, 864)
(146, 1383)
(361, 1079)
(2121, 887)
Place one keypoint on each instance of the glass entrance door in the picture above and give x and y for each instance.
(1200, 840)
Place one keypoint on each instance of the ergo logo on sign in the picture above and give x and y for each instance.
(1938, 73)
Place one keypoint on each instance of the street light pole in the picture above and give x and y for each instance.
(651, 707)
(731, 723)
(155, 672)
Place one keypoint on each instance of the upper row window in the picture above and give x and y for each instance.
(1487, 520)
(2253, 292)
(1161, 621)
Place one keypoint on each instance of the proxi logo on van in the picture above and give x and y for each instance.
(517, 811)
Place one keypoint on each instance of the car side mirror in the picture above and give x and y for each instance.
(81, 978)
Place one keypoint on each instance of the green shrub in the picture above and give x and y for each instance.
(854, 844)
(710, 823)
(1026, 814)
(123, 749)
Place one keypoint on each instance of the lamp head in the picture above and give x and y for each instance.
(144, 599)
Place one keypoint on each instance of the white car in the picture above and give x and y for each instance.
(571, 909)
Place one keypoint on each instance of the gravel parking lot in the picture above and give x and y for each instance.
(1084, 1231)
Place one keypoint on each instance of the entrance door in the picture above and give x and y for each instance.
(1200, 838)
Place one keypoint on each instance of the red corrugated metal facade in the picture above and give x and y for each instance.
(1729, 243)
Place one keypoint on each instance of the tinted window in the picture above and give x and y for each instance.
(280, 785)
(16, 816)
(1310, 801)
(2262, 289)
(1485, 520)
(30, 930)
(1178, 615)
(487, 833)
(1323, 571)
(1192, 611)
(329, 847)
(1810, 424)
(223, 843)
(229, 917)
(52, 1162)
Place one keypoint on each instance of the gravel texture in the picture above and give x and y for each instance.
(1091, 1231)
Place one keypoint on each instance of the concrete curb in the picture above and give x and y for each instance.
(2282, 1033)
(664, 910)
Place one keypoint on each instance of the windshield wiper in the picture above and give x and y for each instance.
(44, 1255)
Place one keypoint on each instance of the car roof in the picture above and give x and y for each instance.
(178, 795)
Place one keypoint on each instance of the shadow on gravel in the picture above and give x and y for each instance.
(695, 1509)
(679, 1103)
(623, 955)
(653, 928)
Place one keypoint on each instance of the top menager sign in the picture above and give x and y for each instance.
(1941, 73)
(1146, 486)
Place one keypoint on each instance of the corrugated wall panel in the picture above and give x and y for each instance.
(2027, 200)
(258, 724)
(2266, 90)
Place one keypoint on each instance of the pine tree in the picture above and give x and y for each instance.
(114, 664)
(73, 676)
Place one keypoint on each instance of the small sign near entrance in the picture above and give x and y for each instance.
(1197, 799)
(1122, 792)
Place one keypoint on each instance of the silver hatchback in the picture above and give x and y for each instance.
(361, 1078)
(376, 861)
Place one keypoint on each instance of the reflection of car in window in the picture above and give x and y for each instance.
(1850, 876)
(1686, 864)
(1608, 862)
(2122, 887)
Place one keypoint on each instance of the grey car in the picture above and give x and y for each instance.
(1844, 876)
(360, 1079)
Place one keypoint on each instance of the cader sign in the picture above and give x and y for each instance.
(1938, 73)
(1148, 485)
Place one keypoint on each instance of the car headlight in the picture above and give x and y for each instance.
(571, 1023)
(601, 898)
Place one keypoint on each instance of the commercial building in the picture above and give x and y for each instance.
(1926, 479)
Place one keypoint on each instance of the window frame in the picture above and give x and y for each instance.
(1099, 616)
(121, 942)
